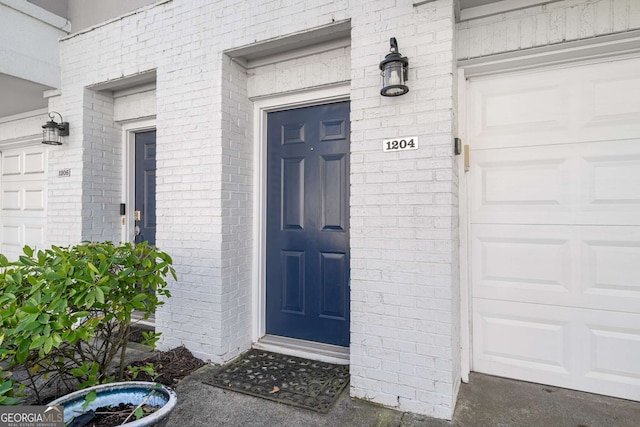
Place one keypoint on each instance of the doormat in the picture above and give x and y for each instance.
(286, 379)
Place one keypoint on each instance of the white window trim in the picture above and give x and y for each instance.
(262, 106)
(129, 130)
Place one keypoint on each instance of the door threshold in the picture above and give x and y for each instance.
(305, 349)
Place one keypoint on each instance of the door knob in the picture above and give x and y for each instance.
(136, 230)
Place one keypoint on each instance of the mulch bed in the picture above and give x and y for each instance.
(170, 366)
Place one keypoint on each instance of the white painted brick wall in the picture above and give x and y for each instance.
(544, 25)
(135, 106)
(102, 171)
(64, 201)
(403, 205)
(402, 212)
(319, 69)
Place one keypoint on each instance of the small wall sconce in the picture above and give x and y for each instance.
(394, 72)
(52, 132)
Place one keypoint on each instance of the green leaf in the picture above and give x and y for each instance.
(26, 261)
(138, 413)
(48, 344)
(99, 295)
(31, 309)
(37, 342)
(93, 268)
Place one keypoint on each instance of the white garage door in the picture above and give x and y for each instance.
(23, 180)
(555, 226)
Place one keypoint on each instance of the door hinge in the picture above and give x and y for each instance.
(467, 160)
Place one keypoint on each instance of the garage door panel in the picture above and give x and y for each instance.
(502, 261)
(560, 106)
(34, 199)
(11, 199)
(520, 337)
(565, 347)
(606, 344)
(35, 161)
(507, 184)
(611, 100)
(11, 163)
(34, 235)
(579, 266)
(11, 234)
(590, 183)
(612, 267)
(613, 179)
(511, 109)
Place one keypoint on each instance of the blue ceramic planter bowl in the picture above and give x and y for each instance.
(131, 392)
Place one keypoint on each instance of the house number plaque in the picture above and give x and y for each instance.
(400, 144)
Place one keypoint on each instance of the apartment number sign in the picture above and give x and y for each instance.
(400, 144)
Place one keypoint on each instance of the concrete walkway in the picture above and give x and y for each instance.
(485, 401)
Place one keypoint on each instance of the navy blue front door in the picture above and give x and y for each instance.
(307, 268)
(145, 187)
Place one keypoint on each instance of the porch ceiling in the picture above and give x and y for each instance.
(20, 96)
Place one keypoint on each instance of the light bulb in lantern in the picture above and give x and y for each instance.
(394, 77)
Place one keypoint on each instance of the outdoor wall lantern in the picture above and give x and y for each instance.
(53, 132)
(394, 72)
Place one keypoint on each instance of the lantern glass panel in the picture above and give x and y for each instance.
(50, 134)
(393, 74)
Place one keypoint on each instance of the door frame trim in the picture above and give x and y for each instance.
(129, 131)
(262, 106)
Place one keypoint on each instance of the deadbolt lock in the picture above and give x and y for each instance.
(137, 215)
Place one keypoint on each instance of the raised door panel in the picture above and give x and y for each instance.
(563, 106)
(591, 350)
(587, 267)
(588, 183)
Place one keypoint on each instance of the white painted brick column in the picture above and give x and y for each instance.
(404, 344)
(64, 198)
(102, 178)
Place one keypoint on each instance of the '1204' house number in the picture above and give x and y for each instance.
(400, 144)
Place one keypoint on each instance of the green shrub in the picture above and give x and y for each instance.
(65, 313)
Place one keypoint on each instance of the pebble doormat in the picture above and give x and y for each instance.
(286, 379)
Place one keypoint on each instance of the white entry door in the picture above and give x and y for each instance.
(23, 184)
(555, 226)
